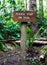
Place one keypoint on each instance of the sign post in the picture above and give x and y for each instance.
(22, 44)
(24, 17)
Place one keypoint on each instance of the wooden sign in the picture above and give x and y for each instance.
(24, 16)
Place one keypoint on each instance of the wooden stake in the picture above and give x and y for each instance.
(22, 44)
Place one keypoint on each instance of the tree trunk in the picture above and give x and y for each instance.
(41, 9)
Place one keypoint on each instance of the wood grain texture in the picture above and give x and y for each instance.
(26, 16)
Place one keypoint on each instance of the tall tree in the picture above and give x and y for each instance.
(41, 13)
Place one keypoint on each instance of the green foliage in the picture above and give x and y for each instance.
(30, 37)
(9, 28)
(3, 47)
(29, 32)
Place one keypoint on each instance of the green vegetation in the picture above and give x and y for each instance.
(9, 28)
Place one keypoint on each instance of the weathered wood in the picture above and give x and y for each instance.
(36, 41)
(40, 42)
(22, 44)
(41, 39)
(23, 40)
(24, 16)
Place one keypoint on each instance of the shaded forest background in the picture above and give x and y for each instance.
(12, 30)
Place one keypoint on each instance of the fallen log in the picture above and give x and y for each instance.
(36, 41)
(41, 39)
(40, 42)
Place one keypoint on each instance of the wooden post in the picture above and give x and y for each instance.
(23, 42)
(25, 16)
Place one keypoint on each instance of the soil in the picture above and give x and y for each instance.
(14, 58)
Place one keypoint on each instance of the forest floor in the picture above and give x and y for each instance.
(34, 57)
